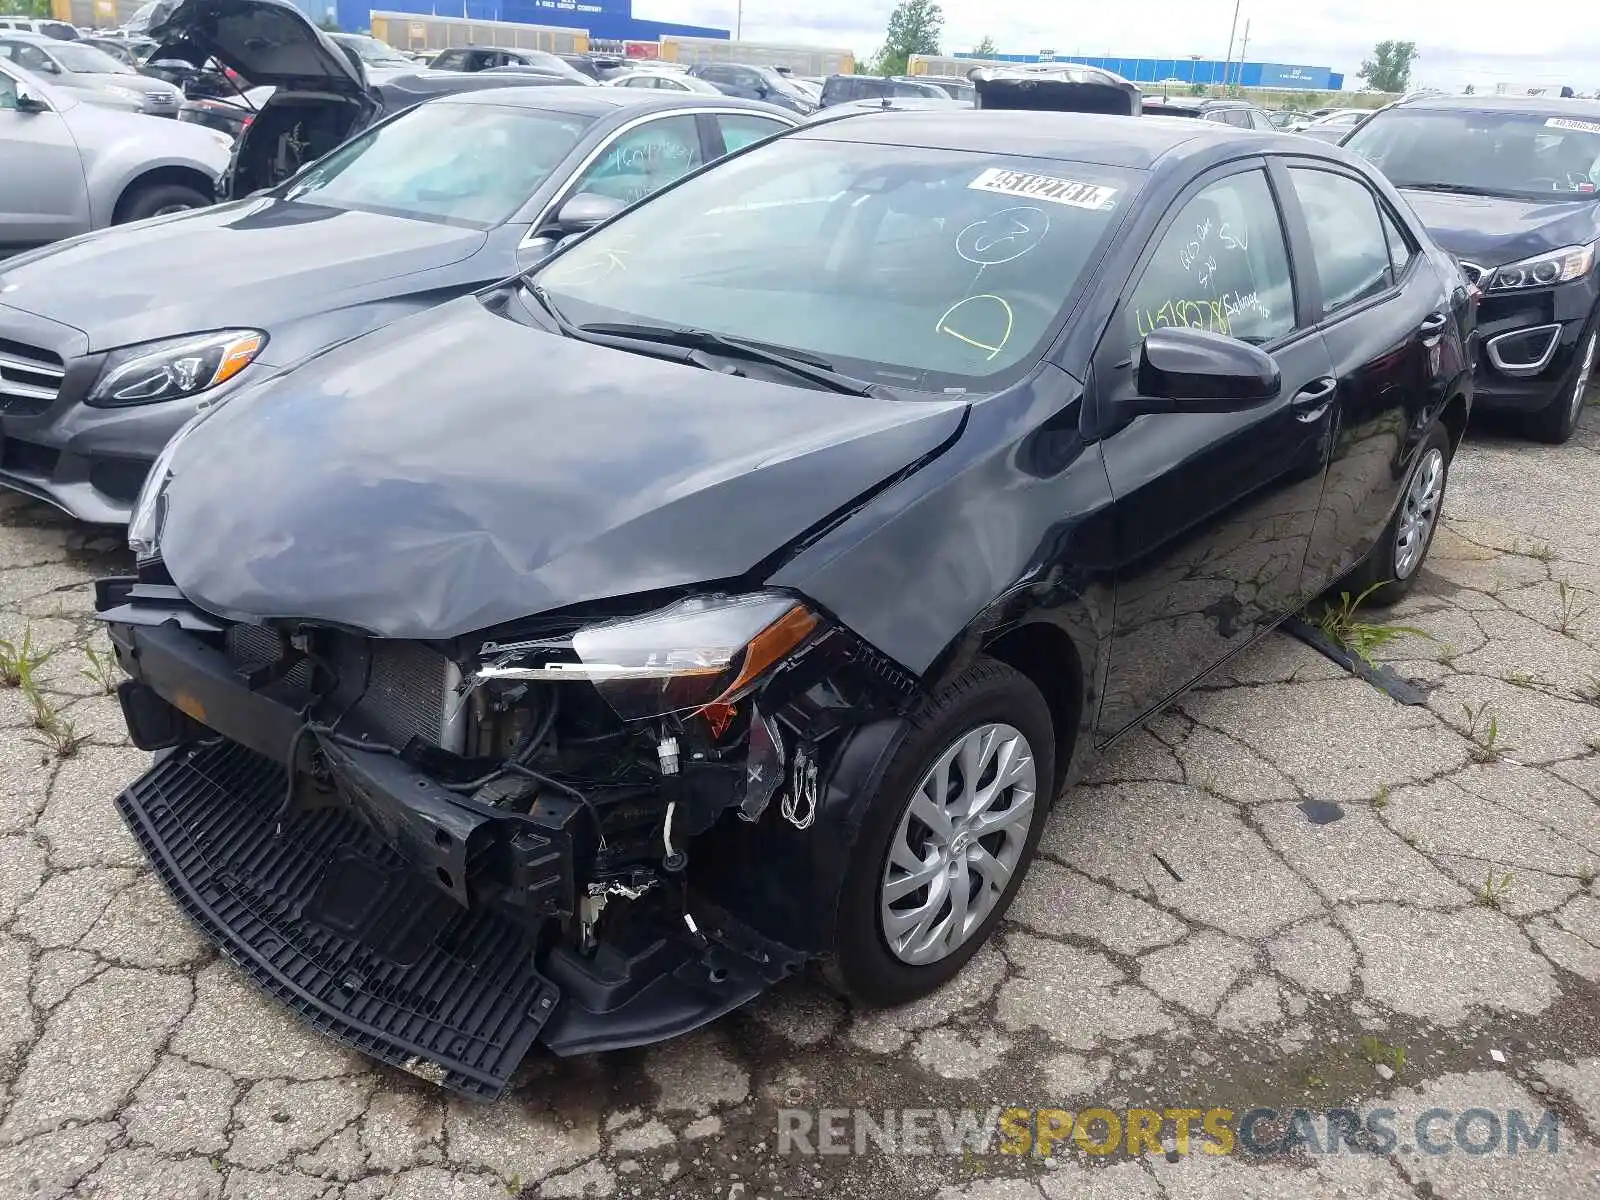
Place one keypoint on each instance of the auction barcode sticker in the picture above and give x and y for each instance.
(1571, 123)
(1044, 187)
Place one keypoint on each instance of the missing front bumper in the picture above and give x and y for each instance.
(330, 920)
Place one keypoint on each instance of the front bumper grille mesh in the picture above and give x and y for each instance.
(329, 920)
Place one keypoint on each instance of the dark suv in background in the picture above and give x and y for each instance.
(1511, 187)
(1238, 113)
(841, 89)
(755, 83)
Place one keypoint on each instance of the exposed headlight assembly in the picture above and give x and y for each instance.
(174, 368)
(698, 652)
(150, 509)
(1544, 270)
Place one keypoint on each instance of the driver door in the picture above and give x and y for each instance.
(43, 194)
(1214, 511)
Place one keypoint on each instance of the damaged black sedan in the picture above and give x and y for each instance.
(571, 663)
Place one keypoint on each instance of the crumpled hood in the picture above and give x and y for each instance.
(1494, 230)
(255, 264)
(458, 470)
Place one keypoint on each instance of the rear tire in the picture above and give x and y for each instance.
(992, 718)
(1558, 420)
(156, 199)
(1392, 566)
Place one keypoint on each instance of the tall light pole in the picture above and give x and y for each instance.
(738, 20)
(1227, 63)
(1243, 47)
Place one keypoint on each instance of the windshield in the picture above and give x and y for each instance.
(72, 56)
(371, 50)
(915, 267)
(469, 164)
(1524, 154)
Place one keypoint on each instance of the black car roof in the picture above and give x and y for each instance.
(1554, 106)
(1114, 141)
(599, 101)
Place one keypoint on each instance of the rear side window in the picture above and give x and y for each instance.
(740, 129)
(1222, 265)
(1347, 240)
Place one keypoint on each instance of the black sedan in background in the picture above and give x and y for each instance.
(1511, 187)
(112, 341)
(739, 588)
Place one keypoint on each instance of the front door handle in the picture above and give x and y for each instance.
(1432, 328)
(1311, 401)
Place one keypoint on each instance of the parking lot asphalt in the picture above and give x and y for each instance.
(1289, 891)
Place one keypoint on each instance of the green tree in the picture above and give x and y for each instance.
(985, 48)
(914, 28)
(1390, 68)
(25, 8)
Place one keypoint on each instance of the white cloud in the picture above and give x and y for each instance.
(1461, 41)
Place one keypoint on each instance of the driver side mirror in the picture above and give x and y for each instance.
(27, 102)
(584, 211)
(1195, 370)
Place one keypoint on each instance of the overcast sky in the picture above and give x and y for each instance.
(1461, 41)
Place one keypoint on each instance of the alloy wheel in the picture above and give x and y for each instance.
(1584, 372)
(1419, 513)
(958, 844)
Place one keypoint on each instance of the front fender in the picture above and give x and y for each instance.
(109, 166)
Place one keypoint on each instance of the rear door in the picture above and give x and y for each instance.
(43, 195)
(1383, 313)
(1214, 512)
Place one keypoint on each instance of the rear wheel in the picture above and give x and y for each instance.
(1556, 422)
(947, 839)
(1392, 566)
(159, 199)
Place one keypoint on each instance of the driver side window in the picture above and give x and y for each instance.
(1222, 265)
(644, 160)
(8, 93)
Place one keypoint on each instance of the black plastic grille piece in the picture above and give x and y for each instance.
(328, 919)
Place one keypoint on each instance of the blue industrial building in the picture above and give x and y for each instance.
(1201, 70)
(606, 20)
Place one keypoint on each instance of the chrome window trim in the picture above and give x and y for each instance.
(576, 173)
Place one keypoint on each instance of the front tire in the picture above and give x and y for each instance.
(159, 199)
(1557, 421)
(1391, 568)
(947, 838)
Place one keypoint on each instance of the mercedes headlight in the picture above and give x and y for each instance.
(174, 368)
(698, 652)
(1544, 270)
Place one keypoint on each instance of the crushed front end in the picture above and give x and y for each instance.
(442, 853)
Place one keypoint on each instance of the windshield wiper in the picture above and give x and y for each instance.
(796, 362)
(1458, 188)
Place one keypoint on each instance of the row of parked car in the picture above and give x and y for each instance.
(657, 541)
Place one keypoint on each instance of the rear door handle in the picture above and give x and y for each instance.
(1311, 401)
(1432, 328)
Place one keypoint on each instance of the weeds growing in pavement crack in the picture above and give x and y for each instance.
(1381, 1053)
(54, 730)
(1570, 613)
(1523, 679)
(102, 669)
(1381, 800)
(1496, 887)
(18, 660)
(1591, 690)
(1362, 638)
(1586, 875)
(1484, 730)
(1542, 551)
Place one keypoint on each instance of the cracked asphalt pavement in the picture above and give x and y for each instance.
(1289, 891)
